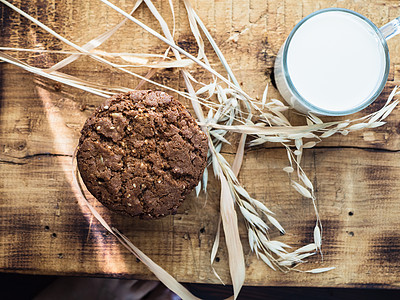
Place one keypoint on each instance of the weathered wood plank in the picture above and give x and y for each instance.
(44, 230)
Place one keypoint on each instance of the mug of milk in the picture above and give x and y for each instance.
(334, 62)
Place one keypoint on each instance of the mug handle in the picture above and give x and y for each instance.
(391, 29)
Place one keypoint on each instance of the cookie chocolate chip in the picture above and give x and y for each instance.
(141, 153)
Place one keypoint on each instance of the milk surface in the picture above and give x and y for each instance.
(336, 61)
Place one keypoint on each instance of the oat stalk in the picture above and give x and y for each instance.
(221, 106)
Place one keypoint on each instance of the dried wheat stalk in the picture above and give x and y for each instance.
(224, 107)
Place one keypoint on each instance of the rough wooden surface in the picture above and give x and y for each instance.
(45, 230)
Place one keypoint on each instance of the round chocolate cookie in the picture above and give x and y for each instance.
(141, 153)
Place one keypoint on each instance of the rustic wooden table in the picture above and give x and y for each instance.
(44, 230)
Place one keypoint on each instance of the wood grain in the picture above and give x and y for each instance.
(45, 230)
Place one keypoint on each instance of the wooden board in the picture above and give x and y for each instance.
(45, 230)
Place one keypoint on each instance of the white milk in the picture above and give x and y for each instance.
(335, 61)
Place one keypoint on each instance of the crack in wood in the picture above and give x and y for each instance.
(44, 154)
(371, 149)
(13, 160)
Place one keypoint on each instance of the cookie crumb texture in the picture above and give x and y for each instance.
(141, 153)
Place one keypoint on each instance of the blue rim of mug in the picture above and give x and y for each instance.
(314, 108)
